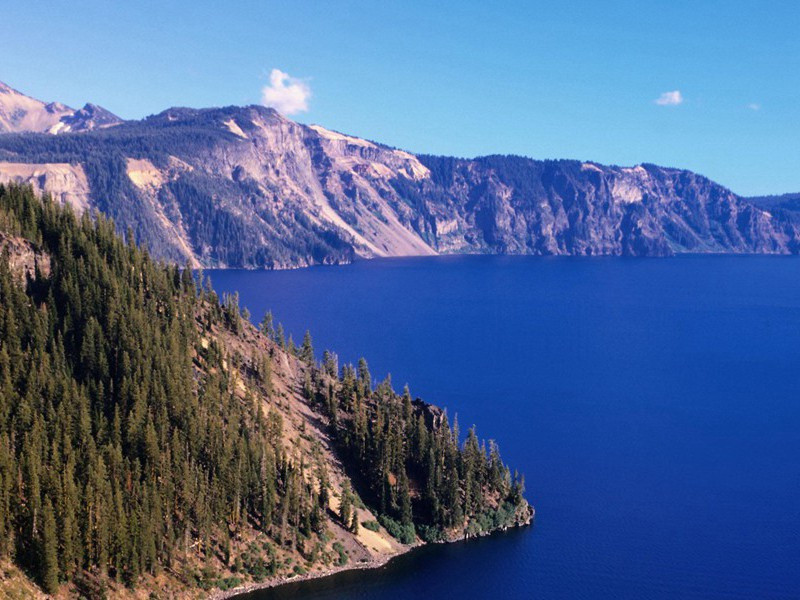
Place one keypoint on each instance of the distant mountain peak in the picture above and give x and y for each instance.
(7, 89)
(91, 116)
(20, 113)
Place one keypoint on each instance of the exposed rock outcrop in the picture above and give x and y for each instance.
(20, 113)
(247, 187)
(24, 258)
(66, 183)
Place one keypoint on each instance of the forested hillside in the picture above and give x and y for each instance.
(152, 439)
(783, 204)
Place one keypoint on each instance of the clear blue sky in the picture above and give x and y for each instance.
(546, 80)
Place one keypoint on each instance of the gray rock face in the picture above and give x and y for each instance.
(24, 258)
(90, 117)
(516, 205)
(246, 187)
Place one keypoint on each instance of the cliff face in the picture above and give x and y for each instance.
(246, 187)
(238, 187)
(24, 258)
(289, 194)
(520, 206)
(65, 182)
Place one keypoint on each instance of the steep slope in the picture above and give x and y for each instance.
(783, 211)
(237, 187)
(66, 183)
(153, 442)
(21, 113)
(516, 205)
(246, 187)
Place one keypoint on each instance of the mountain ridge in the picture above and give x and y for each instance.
(20, 113)
(785, 202)
(248, 187)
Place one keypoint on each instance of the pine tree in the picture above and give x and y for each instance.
(363, 375)
(49, 549)
(406, 516)
(280, 337)
(306, 353)
(346, 504)
(266, 325)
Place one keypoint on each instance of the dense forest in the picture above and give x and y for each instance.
(128, 447)
(391, 441)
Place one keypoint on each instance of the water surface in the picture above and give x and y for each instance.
(653, 405)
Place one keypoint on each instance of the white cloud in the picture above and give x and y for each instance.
(754, 106)
(670, 98)
(286, 94)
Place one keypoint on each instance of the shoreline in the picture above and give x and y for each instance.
(375, 563)
(594, 257)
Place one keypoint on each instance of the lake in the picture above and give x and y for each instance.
(653, 405)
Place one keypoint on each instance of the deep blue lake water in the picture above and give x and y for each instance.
(653, 405)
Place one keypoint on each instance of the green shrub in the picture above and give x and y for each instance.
(430, 534)
(371, 525)
(343, 558)
(405, 534)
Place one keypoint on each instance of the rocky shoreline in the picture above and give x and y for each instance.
(369, 564)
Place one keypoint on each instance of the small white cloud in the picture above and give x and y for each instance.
(670, 98)
(286, 94)
(754, 106)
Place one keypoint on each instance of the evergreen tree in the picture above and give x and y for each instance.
(346, 505)
(266, 326)
(306, 353)
(49, 549)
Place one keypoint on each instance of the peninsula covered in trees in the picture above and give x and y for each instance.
(151, 438)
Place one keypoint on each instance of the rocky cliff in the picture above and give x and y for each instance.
(25, 260)
(246, 187)
(514, 205)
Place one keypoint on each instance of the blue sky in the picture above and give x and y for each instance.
(546, 80)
